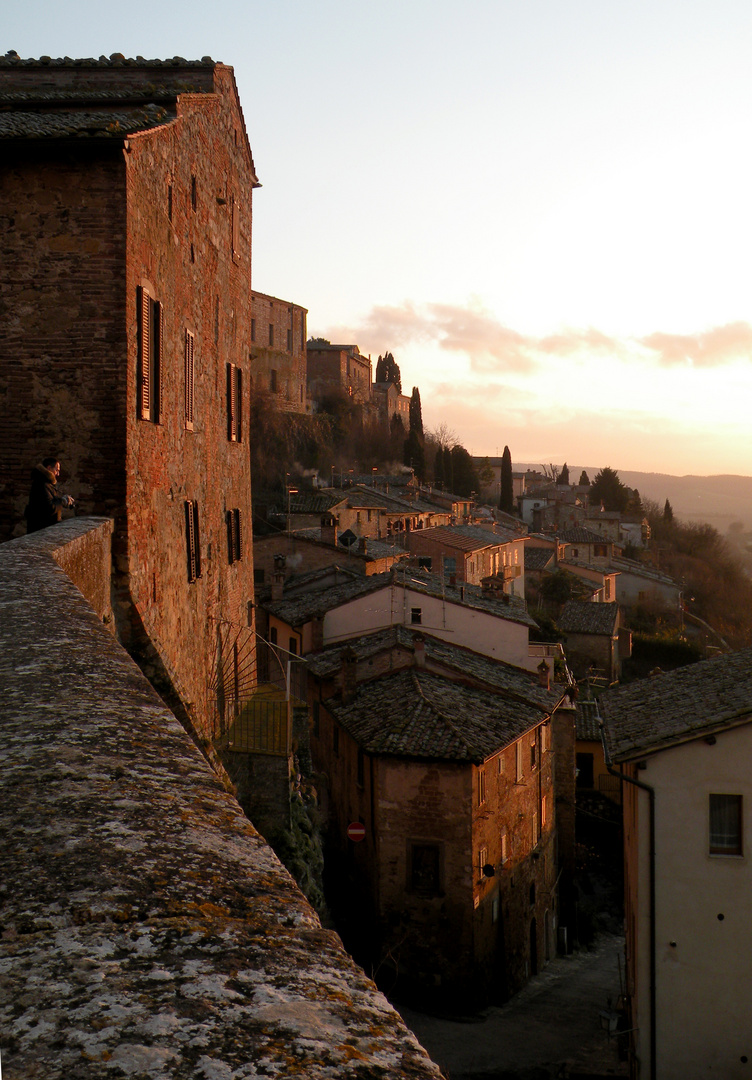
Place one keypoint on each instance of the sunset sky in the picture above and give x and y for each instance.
(541, 207)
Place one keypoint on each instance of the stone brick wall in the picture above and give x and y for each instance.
(84, 226)
(147, 928)
(62, 331)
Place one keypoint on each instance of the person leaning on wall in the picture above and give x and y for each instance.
(45, 504)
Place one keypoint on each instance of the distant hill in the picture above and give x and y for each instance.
(717, 500)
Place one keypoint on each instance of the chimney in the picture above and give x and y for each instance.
(544, 675)
(278, 577)
(362, 545)
(329, 529)
(419, 647)
(317, 632)
(349, 675)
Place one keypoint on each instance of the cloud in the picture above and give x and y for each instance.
(711, 348)
(495, 349)
(490, 346)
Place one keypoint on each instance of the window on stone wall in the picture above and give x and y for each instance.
(725, 825)
(424, 876)
(150, 336)
(189, 379)
(234, 536)
(234, 403)
(504, 847)
(519, 761)
(273, 382)
(271, 335)
(416, 615)
(235, 228)
(253, 329)
(193, 542)
(481, 786)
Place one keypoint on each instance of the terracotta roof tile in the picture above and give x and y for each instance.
(653, 714)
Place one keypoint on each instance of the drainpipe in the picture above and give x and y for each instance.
(651, 803)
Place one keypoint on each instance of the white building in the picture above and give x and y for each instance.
(683, 742)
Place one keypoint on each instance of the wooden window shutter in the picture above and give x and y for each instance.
(230, 536)
(189, 379)
(238, 536)
(157, 364)
(197, 540)
(238, 403)
(190, 536)
(144, 354)
(230, 402)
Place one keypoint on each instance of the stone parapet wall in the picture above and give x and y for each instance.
(147, 929)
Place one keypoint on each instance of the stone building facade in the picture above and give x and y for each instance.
(125, 207)
(339, 369)
(278, 351)
(447, 762)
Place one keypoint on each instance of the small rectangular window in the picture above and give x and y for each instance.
(189, 379)
(271, 334)
(193, 542)
(519, 763)
(416, 615)
(273, 384)
(253, 329)
(504, 847)
(482, 861)
(234, 403)
(725, 825)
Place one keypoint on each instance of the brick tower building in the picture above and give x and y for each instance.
(125, 307)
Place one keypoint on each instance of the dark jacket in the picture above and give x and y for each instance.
(45, 505)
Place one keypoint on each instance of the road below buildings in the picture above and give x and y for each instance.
(552, 1028)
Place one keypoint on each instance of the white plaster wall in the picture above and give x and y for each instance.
(704, 981)
(465, 626)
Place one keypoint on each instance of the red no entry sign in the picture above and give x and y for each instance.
(356, 831)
